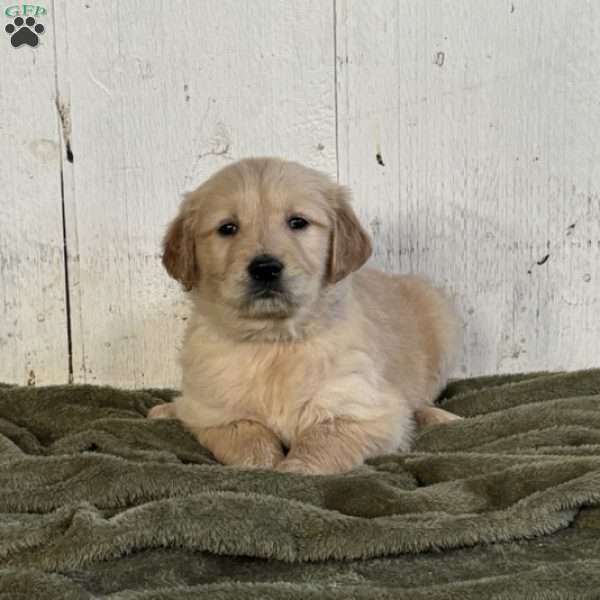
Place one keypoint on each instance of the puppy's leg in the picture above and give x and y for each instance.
(432, 415)
(243, 443)
(332, 447)
(162, 411)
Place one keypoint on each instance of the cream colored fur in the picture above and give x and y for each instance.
(335, 368)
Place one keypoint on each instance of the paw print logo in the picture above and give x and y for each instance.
(24, 32)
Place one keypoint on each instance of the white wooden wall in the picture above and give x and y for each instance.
(468, 131)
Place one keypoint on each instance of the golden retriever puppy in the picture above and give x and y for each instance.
(291, 345)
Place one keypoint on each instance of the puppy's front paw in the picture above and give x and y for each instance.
(433, 415)
(259, 455)
(162, 411)
(244, 444)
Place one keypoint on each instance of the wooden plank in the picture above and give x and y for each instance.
(159, 96)
(485, 117)
(33, 322)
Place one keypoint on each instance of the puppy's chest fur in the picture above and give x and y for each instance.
(276, 384)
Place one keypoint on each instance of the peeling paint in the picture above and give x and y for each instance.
(64, 112)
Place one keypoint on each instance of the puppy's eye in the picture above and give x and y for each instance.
(227, 229)
(297, 223)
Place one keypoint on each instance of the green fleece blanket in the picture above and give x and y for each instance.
(98, 502)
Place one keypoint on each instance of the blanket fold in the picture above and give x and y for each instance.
(96, 501)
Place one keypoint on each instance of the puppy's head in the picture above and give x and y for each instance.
(265, 237)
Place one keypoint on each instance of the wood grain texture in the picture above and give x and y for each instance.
(467, 130)
(33, 332)
(158, 99)
(469, 134)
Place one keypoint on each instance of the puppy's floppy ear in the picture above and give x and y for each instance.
(350, 243)
(179, 252)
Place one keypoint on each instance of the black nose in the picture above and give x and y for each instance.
(265, 268)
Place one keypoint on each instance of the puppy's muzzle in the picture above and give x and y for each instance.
(265, 271)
